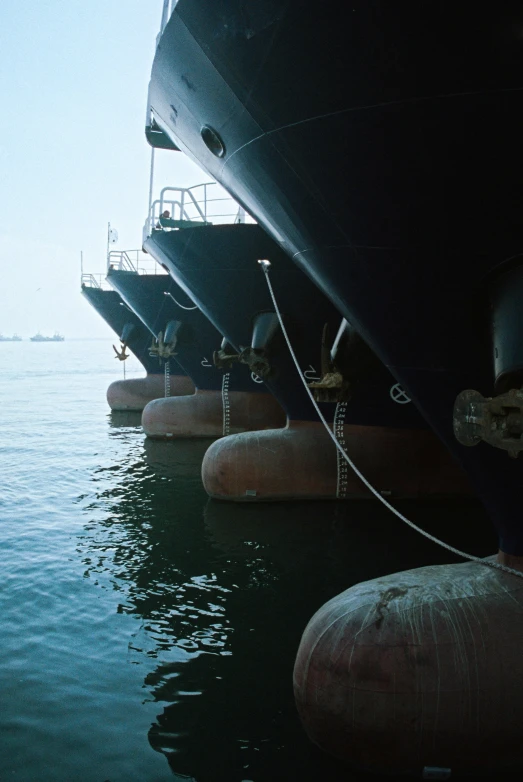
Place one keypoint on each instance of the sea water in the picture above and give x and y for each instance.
(149, 633)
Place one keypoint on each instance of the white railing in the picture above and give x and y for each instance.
(95, 281)
(133, 261)
(182, 207)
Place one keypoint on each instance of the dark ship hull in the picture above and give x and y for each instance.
(382, 151)
(162, 306)
(133, 393)
(384, 156)
(218, 267)
(109, 305)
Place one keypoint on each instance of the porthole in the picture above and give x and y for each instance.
(212, 141)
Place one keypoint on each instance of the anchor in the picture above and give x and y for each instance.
(121, 355)
(224, 357)
(255, 358)
(161, 348)
(332, 387)
(165, 345)
(265, 327)
(127, 330)
(257, 361)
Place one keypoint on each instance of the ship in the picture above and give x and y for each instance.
(225, 400)
(41, 338)
(132, 393)
(217, 266)
(383, 155)
(415, 243)
(14, 338)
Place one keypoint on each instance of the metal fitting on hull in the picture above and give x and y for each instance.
(165, 345)
(224, 360)
(255, 359)
(497, 421)
(162, 349)
(331, 388)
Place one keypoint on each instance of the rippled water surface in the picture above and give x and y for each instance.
(149, 633)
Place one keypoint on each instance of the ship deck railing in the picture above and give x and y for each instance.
(95, 281)
(133, 261)
(199, 205)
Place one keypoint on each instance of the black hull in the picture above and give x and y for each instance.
(384, 156)
(218, 267)
(197, 339)
(112, 309)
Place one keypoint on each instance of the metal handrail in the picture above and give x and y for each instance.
(201, 204)
(133, 261)
(94, 281)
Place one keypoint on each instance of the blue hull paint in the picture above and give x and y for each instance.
(110, 306)
(197, 337)
(218, 267)
(384, 155)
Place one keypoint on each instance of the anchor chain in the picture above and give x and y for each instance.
(167, 378)
(226, 404)
(342, 466)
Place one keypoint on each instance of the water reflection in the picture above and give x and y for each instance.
(125, 418)
(177, 459)
(221, 594)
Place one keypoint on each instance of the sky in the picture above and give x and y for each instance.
(73, 154)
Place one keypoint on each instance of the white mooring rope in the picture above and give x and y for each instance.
(181, 306)
(496, 565)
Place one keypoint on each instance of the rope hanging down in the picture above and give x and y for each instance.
(181, 306)
(496, 565)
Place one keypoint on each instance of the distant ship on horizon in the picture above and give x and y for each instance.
(55, 338)
(14, 338)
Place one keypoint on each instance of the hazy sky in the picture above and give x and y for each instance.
(73, 154)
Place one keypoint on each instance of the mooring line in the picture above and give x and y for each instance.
(181, 306)
(265, 265)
